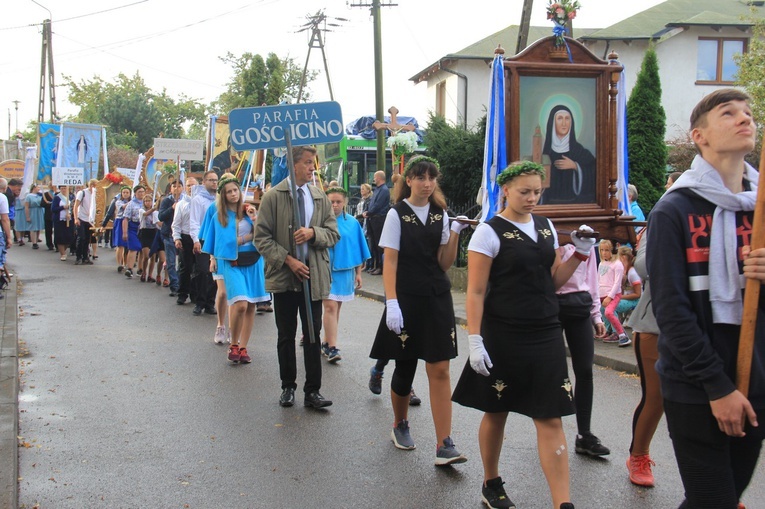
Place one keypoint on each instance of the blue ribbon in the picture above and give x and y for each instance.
(559, 31)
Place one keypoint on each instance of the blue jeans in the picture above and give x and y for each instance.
(170, 261)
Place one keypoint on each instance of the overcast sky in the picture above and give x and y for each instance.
(175, 44)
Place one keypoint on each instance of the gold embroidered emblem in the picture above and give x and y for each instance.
(567, 387)
(403, 337)
(454, 339)
(513, 235)
(500, 386)
(545, 233)
(435, 217)
(411, 218)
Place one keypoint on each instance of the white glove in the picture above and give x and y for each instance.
(583, 245)
(393, 317)
(457, 226)
(479, 357)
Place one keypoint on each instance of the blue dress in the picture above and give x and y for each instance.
(21, 224)
(348, 253)
(242, 283)
(36, 212)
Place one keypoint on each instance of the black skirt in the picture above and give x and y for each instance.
(529, 374)
(429, 330)
(146, 235)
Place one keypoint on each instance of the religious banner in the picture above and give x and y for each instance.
(79, 146)
(220, 152)
(47, 142)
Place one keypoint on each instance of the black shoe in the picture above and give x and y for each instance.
(494, 496)
(78, 262)
(87, 262)
(414, 399)
(181, 300)
(288, 397)
(173, 294)
(569, 505)
(210, 310)
(315, 400)
(590, 444)
(197, 310)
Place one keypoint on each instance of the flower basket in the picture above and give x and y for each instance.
(561, 12)
(401, 144)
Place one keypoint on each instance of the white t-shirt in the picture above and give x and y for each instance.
(632, 280)
(85, 199)
(391, 233)
(3, 204)
(485, 240)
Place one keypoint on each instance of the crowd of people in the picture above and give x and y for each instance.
(679, 287)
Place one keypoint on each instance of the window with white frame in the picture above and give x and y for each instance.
(715, 63)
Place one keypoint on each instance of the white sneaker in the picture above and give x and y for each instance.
(220, 335)
(228, 335)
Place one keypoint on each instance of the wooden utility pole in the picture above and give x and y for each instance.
(379, 108)
(317, 24)
(47, 58)
(523, 30)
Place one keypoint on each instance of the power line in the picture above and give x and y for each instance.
(76, 17)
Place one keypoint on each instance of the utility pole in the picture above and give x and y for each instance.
(47, 58)
(317, 24)
(379, 108)
(16, 104)
(523, 30)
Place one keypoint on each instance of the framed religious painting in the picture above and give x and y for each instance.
(560, 111)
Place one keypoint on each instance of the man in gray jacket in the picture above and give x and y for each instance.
(278, 241)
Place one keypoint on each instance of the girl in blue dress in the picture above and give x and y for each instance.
(35, 214)
(228, 241)
(345, 259)
(119, 243)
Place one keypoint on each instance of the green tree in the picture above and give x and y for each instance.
(751, 76)
(646, 124)
(459, 151)
(133, 114)
(256, 81)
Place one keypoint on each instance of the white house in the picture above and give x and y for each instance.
(695, 41)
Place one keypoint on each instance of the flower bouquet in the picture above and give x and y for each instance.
(561, 12)
(401, 144)
(114, 177)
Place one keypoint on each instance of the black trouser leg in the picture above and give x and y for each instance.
(185, 266)
(581, 344)
(287, 306)
(49, 233)
(83, 236)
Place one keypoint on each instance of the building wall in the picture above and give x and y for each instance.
(678, 57)
(478, 74)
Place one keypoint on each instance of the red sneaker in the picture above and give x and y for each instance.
(640, 470)
(244, 357)
(234, 355)
(741, 506)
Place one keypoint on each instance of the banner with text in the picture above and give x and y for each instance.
(63, 176)
(263, 127)
(189, 150)
(79, 145)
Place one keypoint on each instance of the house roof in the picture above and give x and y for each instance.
(484, 49)
(656, 21)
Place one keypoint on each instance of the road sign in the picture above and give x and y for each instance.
(62, 176)
(168, 148)
(263, 127)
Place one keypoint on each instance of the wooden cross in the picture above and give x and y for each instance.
(393, 126)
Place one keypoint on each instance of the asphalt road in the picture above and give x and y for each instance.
(126, 402)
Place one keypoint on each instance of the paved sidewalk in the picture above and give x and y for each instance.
(606, 355)
(9, 393)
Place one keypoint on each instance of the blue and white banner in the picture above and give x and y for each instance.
(79, 146)
(47, 141)
(495, 148)
(622, 158)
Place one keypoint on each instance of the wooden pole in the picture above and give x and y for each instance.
(751, 293)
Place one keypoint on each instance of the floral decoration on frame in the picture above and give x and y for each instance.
(561, 12)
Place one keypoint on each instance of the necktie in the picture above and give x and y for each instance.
(301, 206)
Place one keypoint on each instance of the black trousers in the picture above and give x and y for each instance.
(581, 345)
(48, 230)
(287, 305)
(715, 468)
(185, 266)
(83, 240)
(374, 227)
(205, 288)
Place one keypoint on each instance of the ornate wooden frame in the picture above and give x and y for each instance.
(542, 59)
(106, 190)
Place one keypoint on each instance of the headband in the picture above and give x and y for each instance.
(227, 180)
(518, 169)
(125, 187)
(139, 186)
(339, 190)
(420, 159)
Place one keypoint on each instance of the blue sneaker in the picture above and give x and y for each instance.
(334, 355)
(624, 340)
(447, 454)
(401, 437)
(325, 349)
(375, 381)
